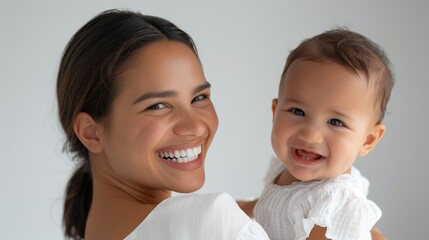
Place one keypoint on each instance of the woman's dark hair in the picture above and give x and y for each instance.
(87, 82)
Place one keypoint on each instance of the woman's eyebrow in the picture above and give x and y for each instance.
(202, 87)
(160, 94)
(168, 93)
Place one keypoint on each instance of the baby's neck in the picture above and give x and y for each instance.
(285, 178)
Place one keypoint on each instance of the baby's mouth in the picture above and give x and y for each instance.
(308, 155)
(181, 155)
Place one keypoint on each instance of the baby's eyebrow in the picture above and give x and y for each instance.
(341, 114)
(293, 100)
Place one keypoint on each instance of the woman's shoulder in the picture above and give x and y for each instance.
(215, 204)
(207, 200)
(194, 216)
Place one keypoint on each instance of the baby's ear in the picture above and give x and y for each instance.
(372, 139)
(88, 131)
(274, 106)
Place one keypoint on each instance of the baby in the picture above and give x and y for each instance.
(331, 102)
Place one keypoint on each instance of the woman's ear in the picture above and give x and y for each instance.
(372, 139)
(88, 131)
(274, 106)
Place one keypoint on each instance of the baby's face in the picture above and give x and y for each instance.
(324, 119)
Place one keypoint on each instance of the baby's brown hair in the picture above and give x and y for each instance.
(353, 51)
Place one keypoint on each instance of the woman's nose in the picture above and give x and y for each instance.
(189, 124)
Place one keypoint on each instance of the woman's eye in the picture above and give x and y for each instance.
(297, 111)
(336, 123)
(200, 98)
(156, 106)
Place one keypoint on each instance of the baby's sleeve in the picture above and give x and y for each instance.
(344, 211)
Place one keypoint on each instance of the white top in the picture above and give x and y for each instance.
(339, 204)
(198, 216)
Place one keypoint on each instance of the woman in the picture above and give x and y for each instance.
(136, 109)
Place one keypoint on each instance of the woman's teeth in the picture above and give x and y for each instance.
(182, 156)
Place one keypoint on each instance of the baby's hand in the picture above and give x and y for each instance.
(376, 234)
(247, 206)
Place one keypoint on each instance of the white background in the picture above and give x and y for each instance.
(243, 46)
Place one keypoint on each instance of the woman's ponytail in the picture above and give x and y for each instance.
(77, 202)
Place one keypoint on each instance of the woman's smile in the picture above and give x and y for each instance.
(181, 155)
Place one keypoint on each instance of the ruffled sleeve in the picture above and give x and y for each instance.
(341, 207)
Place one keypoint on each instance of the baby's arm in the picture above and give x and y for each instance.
(376, 234)
(247, 206)
(317, 233)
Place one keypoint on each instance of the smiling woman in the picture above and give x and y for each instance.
(135, 107)
(173, 113)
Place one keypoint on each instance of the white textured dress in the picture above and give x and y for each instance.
(340, 204)
(198, 217)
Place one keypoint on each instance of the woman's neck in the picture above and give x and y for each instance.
(117, 206)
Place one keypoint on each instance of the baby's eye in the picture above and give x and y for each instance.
(336, 123)
(297, 111)
(200, 98)
(156, 106)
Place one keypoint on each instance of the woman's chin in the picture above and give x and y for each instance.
(191, 186)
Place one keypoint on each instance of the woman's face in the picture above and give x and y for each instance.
(162, 121)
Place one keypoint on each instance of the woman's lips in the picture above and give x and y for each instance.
(181, 155)
(188, 158)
